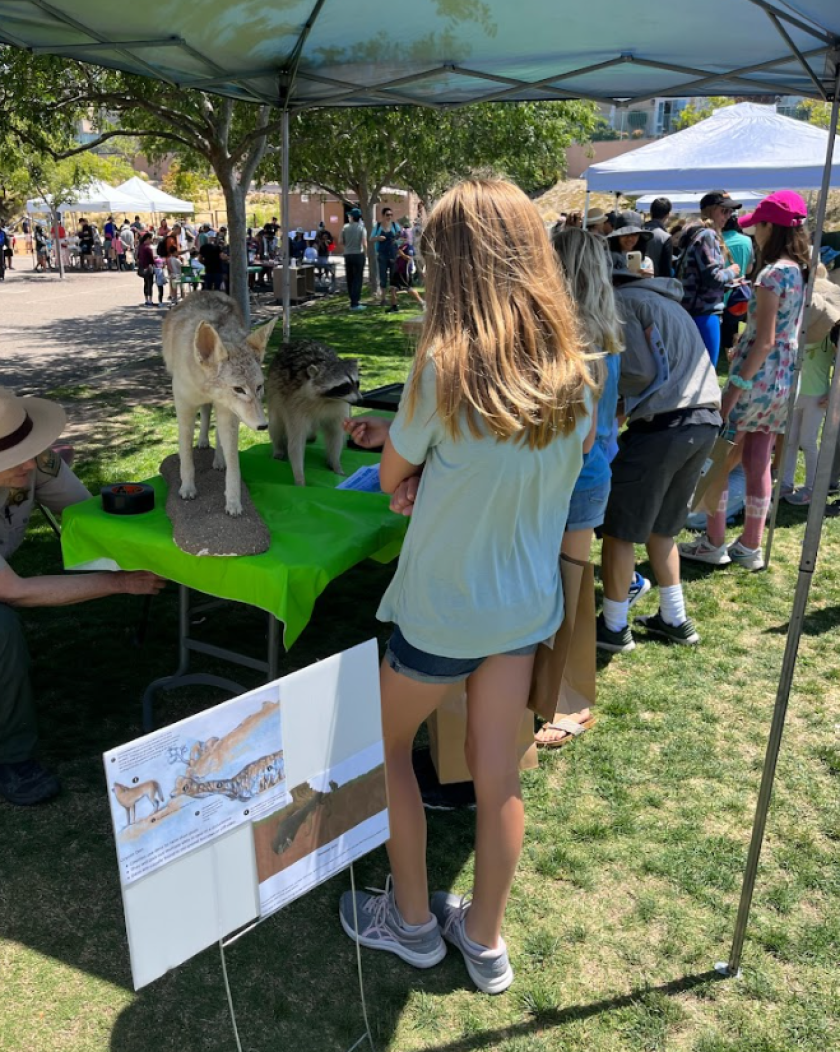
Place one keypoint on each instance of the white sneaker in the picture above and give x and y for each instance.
(703, 551)
(749, 558)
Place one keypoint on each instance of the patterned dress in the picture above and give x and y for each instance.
(764, 408)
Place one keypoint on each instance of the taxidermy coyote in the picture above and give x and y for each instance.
(214, 360)
(129, 796)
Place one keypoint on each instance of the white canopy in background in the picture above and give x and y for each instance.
(97, 197)
(691, 202)
(156, 200)
(737, 148)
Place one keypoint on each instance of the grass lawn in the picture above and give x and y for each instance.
(635, 843)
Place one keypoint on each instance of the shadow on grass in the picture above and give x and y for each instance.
(814, 623)
(546, 1019)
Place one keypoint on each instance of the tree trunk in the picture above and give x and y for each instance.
(368, 205)
(235, 194)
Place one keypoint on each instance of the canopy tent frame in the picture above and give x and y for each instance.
(823, 85)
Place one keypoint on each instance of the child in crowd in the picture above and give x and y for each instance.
(811, 404)
(161, 277)
(402, 277)
(174, 269)
(496, 416)
(755, 399)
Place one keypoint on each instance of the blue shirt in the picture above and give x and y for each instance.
(596, 463)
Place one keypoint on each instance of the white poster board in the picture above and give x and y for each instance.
(307, 753)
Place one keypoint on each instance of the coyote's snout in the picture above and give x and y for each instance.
(214, 360)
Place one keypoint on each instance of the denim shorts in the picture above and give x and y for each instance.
(429, 668)
(587, 507)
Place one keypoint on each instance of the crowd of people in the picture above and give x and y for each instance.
(560, 387)
(394, 253)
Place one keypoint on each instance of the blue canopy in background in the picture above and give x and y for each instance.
(436, 52)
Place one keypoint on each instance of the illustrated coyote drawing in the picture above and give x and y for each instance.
(129, 796)
(214, 361)
(255, 778)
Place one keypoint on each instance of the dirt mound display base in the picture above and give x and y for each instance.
(202, 526)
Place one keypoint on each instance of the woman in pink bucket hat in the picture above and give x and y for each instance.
(756, 398)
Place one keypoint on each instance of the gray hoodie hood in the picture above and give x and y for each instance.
(669, 287)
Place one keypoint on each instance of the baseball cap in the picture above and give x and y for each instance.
(356, 213)
(719, 197)
(783, 208)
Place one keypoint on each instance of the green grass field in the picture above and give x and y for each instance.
(635, 844)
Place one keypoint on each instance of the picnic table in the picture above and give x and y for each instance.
(317, 534)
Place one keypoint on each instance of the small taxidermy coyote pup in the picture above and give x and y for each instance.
(214, 360)
(128, 796)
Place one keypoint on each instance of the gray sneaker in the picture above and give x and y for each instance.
(381, 927)
(490, 970)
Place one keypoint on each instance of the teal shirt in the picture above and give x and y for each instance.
(479, 569)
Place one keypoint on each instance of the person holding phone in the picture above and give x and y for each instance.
(386, 236)
(629, 240)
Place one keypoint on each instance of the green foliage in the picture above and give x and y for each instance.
(814, 112)
(188, 184)
(693, 114)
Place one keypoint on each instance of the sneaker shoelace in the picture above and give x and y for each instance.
(457, 915)
(378, 906)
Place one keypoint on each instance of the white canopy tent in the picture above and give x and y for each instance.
(304, 53)
(96, 197)
(155, 200)
(737, 148)
(682, 202)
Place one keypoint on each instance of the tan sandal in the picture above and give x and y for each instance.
(569, 727)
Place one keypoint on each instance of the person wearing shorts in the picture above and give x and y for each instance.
(672, 402)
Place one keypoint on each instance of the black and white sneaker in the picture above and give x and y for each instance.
(684, 634)
(620, 642)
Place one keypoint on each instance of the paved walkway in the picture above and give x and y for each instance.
(89, 330)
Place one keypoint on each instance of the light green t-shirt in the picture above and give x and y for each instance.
(479, 570)
(816, 368)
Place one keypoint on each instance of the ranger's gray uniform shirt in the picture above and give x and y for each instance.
(52, 484)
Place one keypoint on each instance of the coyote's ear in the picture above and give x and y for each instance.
(209, 349)
(258, 340)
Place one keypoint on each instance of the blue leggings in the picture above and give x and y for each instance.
(709, 328)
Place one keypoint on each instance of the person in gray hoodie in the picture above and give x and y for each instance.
(670, 397)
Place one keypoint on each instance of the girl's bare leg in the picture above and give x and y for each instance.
(405, 705)
(497, 694)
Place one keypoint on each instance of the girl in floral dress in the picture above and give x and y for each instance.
(756, 398)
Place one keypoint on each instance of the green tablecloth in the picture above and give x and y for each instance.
(317, 533)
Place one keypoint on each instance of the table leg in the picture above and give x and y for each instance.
(182, 677)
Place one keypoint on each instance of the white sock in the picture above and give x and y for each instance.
(615, 613)
(672, 604)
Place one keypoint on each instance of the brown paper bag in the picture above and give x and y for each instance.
(448, 734)
(563, 680)
(714, 478)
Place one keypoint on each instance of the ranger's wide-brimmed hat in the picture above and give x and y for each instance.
(28, 426)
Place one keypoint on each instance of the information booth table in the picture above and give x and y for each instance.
(317, 533)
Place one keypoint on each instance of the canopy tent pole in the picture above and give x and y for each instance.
(586, 208)
(809, 295)
(810, 547)
(287, 288)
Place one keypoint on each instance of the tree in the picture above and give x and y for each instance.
(692, 114)
(202, 130)
(814, 112)
(186, 184)
(362, 151)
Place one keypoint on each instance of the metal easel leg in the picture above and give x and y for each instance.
(810, 548)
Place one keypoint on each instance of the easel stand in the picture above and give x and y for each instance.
(224, 943)
(182, 677)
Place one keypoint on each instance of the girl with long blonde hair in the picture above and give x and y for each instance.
(494, 422)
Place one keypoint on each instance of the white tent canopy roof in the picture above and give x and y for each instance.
(96, 197)
(331, 52)
(681, 202)
(156, 200)
(737, 148)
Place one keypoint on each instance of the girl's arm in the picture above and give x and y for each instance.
(589, 441)
(766, 309)
(394, 469)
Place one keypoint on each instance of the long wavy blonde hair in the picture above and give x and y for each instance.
(585, 262)
(500, 326)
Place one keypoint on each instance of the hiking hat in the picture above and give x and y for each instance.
(783, 208)
(629, 223)
(596, 216)
(28, 426)
(719, 197)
